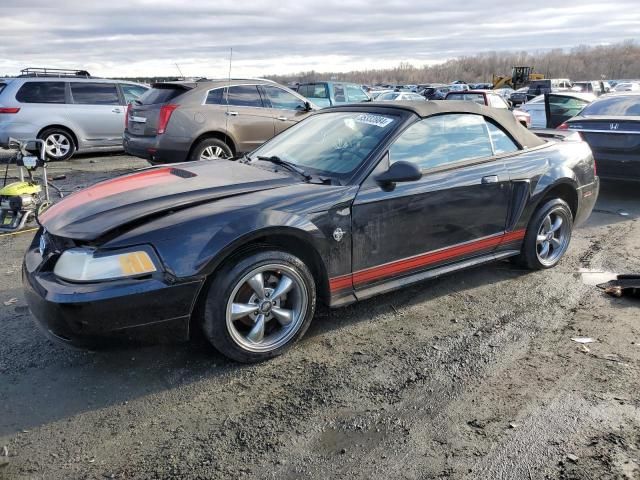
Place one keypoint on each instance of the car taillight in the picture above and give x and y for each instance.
(9, 110)
(563, 126)
(165, 115)
(126, 116)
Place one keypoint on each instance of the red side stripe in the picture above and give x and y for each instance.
(429, 258)
(340, 283)
(109, 188)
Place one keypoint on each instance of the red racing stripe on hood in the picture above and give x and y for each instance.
(109, 188)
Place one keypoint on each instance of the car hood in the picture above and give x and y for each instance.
(95, 211)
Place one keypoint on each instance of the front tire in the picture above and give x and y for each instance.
(259, 305)
(548, 236)
(58, 144)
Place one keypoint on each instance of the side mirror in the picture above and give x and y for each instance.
(307, 106)
(399, 172)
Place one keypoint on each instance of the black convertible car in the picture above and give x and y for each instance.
(351, 202)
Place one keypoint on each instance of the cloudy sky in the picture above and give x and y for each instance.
(148, 37)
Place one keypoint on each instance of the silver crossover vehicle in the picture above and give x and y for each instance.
(70, 110)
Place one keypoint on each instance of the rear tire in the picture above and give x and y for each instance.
(59, 144)
(259, 305)
(547, 237)
(211, 149)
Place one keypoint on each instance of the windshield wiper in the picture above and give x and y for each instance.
(288, 165)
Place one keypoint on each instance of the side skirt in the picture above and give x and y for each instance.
(398, 283)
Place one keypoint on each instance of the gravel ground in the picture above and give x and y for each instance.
(470, 376)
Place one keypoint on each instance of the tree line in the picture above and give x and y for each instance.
(617, 61)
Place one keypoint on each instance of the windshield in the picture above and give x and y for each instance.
(330, 144)
(615, 106)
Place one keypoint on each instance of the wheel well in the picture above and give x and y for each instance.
(219, 135)
(565, 192)
(274, 241)
(61, 127)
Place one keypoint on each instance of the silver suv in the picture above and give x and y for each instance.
(70, 110)
(178, 121)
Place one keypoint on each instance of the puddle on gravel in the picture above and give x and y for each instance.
(596, 277)
(338, 440)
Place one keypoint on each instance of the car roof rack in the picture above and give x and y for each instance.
(53, 72)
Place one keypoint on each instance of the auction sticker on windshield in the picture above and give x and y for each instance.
(377, 120)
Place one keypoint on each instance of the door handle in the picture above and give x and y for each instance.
(489, 179)
(116, 110)
(284, 119)
(231, 114)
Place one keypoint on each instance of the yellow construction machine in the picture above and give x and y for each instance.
(520, 76)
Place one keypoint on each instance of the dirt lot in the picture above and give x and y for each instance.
(470, 376)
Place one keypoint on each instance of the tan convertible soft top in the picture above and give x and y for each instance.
(501, 116)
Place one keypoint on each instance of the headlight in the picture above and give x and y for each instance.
(84, 265)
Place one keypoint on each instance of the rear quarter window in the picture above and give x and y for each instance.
(2, 86)
(156, 95)
(41, 92)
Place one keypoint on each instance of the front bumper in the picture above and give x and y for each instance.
(81, 313)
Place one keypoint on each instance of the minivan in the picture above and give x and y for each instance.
(70, 110)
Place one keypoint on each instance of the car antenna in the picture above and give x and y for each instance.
(179, 71)
(226, 117)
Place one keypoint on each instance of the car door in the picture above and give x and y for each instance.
(96, 108)
(248, 119)
(286, 109)
(318, 93)
(457, 210)
(559, 108)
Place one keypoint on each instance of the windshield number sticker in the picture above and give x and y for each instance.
(377, 120)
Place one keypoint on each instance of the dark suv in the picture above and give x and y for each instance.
(179, 121)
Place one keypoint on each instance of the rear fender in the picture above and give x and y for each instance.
(529, 195)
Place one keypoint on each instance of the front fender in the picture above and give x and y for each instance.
(250, 227)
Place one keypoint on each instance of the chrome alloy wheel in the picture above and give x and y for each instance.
(266, 308)
(553, 237)
(213, 152)
(57, 145)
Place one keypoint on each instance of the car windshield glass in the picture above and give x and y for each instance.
(615, 106)
(330, 144)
